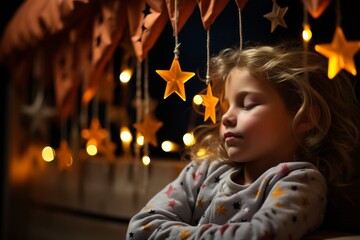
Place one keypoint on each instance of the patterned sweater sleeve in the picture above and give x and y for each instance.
(172, 207)
(292, 204)
(287, 206)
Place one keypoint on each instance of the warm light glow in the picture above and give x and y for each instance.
(48, 154)
(188, 139)
(307, 34)
(125, 135)
(197, 99)
(91, 150)
(91, 147)
(146, 160)
(125, 76)
(201, 152)
(140, 140)
(168, 146)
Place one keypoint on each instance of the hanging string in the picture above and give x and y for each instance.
(177, 45)
(95, 106)
(138, 100)
(207, 56)
(338, 13)
(147, 111)
(305, 43)
(240, 30)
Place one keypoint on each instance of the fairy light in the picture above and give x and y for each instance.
(140, 140)
(188, 139)
(197, 99)
(146, 160)
(125, 75)
(125, 135)
(306, 33)
(168, 146)
(201, 152)
(48, 154)
(91, 147)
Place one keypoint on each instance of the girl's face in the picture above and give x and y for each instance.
(256, 127)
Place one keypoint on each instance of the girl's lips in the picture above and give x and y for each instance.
(230, 137)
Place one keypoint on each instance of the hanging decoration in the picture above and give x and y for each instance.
(210, 10)
(108, 29)
(276, 16)
(39, 111)
(95, 133)
(147, 19)
(32, 21)
(210, 102)
(148, 128)
(186, 8)
(340, 53)
(66, 81)
(316, 7)
(64, 156)
(174, 77)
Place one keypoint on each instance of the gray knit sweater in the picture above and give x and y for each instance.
(285, 202)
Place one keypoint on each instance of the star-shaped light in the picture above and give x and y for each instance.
(175, 79)
(148, 129)
(209, 101)
(95, 131)
(276, 16)
(64, 156)
(340, 53)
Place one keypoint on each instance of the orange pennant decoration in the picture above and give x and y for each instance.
(340, 53)
(316, 7)
(210, 10)
(147, 19)
(185, 9)
(175, 79)
(209, 101)
(241, 3)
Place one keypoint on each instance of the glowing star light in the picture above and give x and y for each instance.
(148, 129)
(276, 16)
(209, 101)
(175, 79)
(340, 53)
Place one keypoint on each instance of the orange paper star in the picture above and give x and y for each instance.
(340, 53)
(148, 129)
(175, 79)
(276, 16)
(64, 156)
(95, 132)
(209, 101)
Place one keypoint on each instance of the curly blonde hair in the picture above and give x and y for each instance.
(301, 80)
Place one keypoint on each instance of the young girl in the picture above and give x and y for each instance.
(286, 133)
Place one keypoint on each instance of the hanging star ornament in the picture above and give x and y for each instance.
(39, 112)
(95, 131)
(209, 101)
(340, 53)
(276, 16)
(175, 79)
(148, 128)
(64, 156)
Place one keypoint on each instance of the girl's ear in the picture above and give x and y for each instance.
(308, 120)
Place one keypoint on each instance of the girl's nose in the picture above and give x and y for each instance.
(228, 119)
